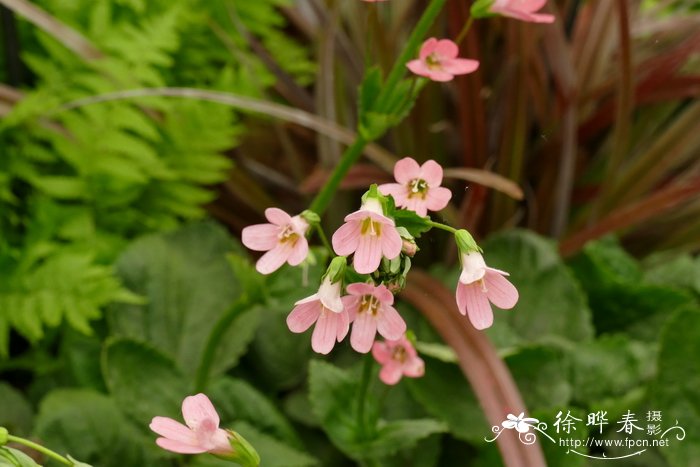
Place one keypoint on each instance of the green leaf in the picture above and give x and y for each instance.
(415, 224)
(189, 286)
(541, 375)
(399, 435)
(143, 381)
(236, 400)
(16, 413)
(456, 405)
(15, 458)
(675, 390)
(90, 427)
(551, 301)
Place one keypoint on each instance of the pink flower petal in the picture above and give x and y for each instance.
(415, 367)
(303, 316)
(172, 429)
(395, 190)
(445, 48)
(383, 294)
(431, 172)
(390, 324)
(527, 5)
(542, 18)
(351, 303)
(390, 373)
(325, 333)
(273, 259)
(299, 252)
(360, 288)
(440, 76)
(461, 297)
(417, 205)
(198, 409)
(346, 239)
(178, 447)
(438, 198)
(419, 67)
(381, 353)
(343, 325)
(364, 328)
(277, 216)
(368, 254)
(390, 242)
(460, 66)
(406, 170)
(478, 306)
(426, 49)
(500, 291)
(260, 237)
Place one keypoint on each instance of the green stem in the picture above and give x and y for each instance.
(438, 225)
(217, 334)
(37, 447)
(409, 51)
(324, 239)
(463, 33)
(350, 156)
(362, 395)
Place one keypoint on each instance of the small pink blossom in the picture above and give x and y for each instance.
(523, 10)
(284, 240)
(398, 358)
(371, 311)
(370, 235)
(327, 310)
(478, 284)
(418, 187)
(202, 433)
(438, 61)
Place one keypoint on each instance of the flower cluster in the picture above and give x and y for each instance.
(377, 242)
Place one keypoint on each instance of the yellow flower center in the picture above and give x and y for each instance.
(288, 235)
(399, 354)
(417, 187)
(370, 227)
(433, 62)
(369, 304)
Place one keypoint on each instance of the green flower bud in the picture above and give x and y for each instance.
(465, 242)
(311, 217)
(482, 9)
(336, 270)
(243, 453)
(3, 435)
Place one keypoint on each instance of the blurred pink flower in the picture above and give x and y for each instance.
(284, 239)
(370, 235)
(418, 187)
(202, 433)
(398, 358)
(327, 310)
(438, 61)
(371, 311)
(478, 284)
(523, 10)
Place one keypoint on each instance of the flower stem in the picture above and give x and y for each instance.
(463, 33)
(217, 334)
(37, 447)
(419, 31)
(362, 395)
(439, 225)
(324, 239)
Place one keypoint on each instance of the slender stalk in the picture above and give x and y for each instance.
(217, 334)
(350, 156)
(463, 33)
(37, 447)
(438, 225)
(324, 239)
(362, 395)
(419, 31)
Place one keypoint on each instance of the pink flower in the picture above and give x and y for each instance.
(398, 358)
(438, 61)
(202, 433)
(478, 284)
(371, 310)
(327, 310)
(419, 186)
(284, 239)
(523, 10)
(370, 235)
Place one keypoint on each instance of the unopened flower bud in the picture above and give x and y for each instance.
(243, 453)
(3, 435)
(466, 242)
(409, 247)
